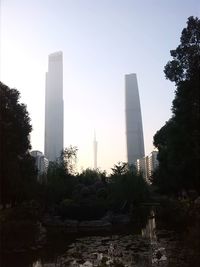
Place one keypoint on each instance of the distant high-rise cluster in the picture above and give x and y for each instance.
(54, 107)
(147, 165)
(134, 130)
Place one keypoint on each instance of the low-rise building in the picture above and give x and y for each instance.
(147, 165)
(152, 163)
(141, 166)
(41, 163)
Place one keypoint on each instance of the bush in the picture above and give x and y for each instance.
(128, 187)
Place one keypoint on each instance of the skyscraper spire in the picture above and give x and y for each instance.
(95, 151)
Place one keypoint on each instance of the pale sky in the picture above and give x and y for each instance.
(101, 40)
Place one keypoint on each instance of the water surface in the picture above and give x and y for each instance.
(131, 246)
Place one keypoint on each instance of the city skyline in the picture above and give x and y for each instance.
(101, 41)
(54, 107)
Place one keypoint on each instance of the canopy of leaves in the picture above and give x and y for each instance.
(68, 159)
(186, 57)
(16, 165)
(126, 186)
(122, 168)
(178, 141)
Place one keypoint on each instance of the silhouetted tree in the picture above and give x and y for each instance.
(126, 186)
(90, 176)
(120, 168)
(60, 176)
(178, 141)
(17, 170)
(68, 159)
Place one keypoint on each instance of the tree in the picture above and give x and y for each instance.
(60, 176)
(178, 141)
(88, 177)
(120, 168)
(68, 159)
(16, 165)
(186, 57)
(126, 186)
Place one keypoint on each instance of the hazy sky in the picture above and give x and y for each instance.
(101, 40)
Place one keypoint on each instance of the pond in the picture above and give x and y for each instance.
(130, 246)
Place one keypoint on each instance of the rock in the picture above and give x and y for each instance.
(121, 219)
(52, 221)
(159, 255)
(87, 264)
(116, 218)
(94, 225)
(37, 264)
(108, 217)
(71, 225)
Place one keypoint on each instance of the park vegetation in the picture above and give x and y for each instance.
(86, 195)
(178, 141)
(91, 194)
(61, 192)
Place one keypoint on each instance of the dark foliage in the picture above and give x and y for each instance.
(126, 187)
(178, 141)
(90, 194)
(17, 171)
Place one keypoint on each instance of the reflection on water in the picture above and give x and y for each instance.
(150, 230)
(158, 253)
(152, 247)
(93, 251)
(39, 264)
(114, 250)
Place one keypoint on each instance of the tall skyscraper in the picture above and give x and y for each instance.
(134, 131)
(54, 107)
(95, 151)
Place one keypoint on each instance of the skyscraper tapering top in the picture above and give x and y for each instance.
(134, 131)
(54, 107)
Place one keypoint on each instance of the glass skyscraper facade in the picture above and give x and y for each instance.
(54, 113)
(134, 129)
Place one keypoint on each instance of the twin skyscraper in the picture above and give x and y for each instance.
(134, 129)
(54, 107)
(54, 113)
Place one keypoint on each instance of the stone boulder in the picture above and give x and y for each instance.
(95, 225)
(71, 225)
(120, 219)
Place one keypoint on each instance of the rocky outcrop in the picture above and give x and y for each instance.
(121, 219)
(71, 225)
(103, 224)
(91, 226)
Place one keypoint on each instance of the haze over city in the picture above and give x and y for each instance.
(101, 41)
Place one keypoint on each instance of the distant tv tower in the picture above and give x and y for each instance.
(95, 151)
